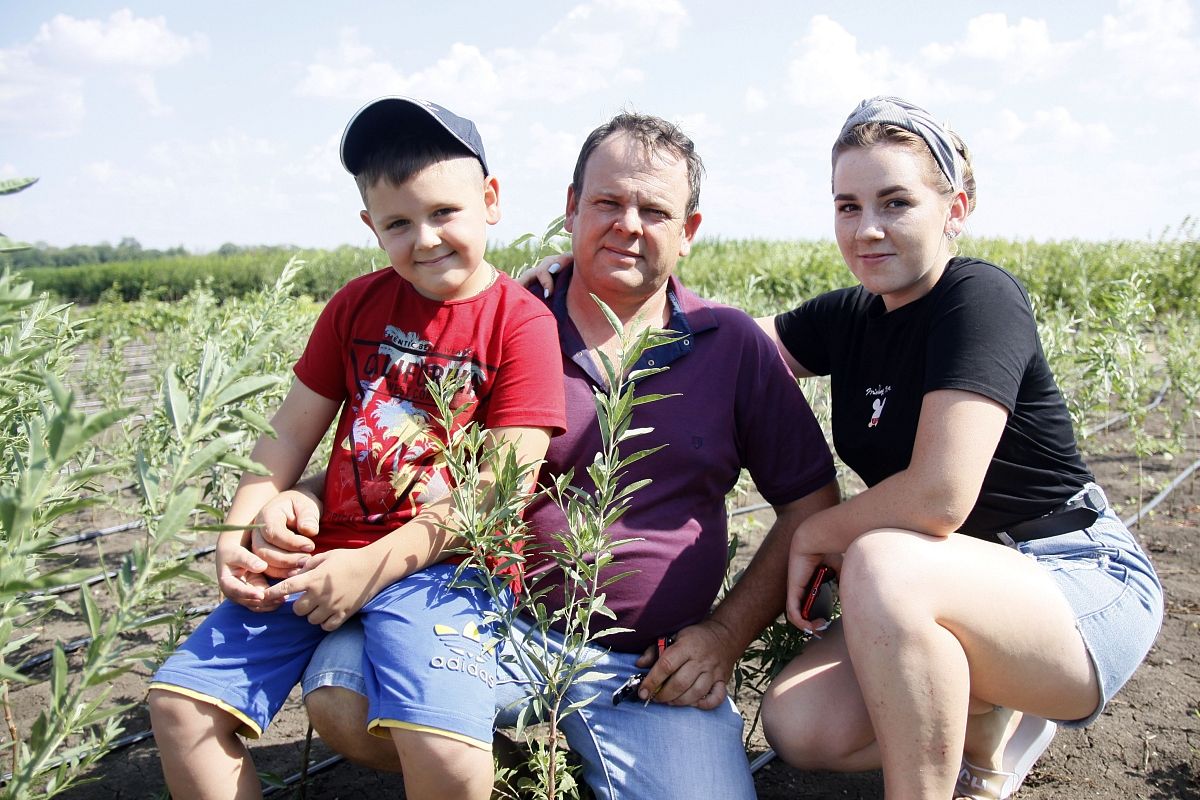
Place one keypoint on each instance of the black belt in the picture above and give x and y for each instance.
(1080, 512)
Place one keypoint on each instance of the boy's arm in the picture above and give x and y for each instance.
(299, 424)
(337, 583)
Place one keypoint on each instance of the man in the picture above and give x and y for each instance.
(632, 214)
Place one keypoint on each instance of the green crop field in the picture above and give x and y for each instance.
(138, 387)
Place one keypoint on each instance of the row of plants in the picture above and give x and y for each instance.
(758, 275)
(182, 458)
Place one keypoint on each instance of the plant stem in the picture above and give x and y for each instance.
(13, 733)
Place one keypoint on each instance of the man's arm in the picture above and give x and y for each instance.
(697, 667)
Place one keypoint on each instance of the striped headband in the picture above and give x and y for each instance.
(894, 111)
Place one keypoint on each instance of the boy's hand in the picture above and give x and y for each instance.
(242, 578)
(284, 531)
(333, 586)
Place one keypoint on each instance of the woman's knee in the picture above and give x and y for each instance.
(803, 739)
(883, 571)
(813, 715)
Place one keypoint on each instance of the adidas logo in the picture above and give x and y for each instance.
(468, 652)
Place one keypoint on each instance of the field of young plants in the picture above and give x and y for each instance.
(130, 394)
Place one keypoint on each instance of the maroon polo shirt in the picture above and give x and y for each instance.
(735, 406)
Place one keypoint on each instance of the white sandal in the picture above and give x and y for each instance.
(1021, 752)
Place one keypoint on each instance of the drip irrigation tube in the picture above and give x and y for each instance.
(29, 664)
(1113, 420)
(295, 778)
(87, 536)
(74, 587)
(1161, 496)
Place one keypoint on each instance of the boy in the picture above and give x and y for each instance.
(440, 309)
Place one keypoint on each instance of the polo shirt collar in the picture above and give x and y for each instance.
(690, 315)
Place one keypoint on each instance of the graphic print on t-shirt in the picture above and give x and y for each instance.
(388, 465)
(880, 395)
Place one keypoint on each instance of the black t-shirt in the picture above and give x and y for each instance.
(974, 331)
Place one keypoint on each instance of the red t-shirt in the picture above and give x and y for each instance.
(375, 346)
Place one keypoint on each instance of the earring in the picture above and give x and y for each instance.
(951, 235)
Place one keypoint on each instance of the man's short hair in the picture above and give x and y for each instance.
(656, 135)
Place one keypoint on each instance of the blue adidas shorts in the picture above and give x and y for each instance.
(430, 661)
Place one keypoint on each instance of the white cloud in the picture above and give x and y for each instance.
(43, 82)
(123, 40)
(1022, 49)
(829, 70)
(546, 150)
(593, 47)
(595, 28)
(1061, 128)
(1010, 126)
(36, 99)
(463, 77)
(1049, 130)
(1156, 48)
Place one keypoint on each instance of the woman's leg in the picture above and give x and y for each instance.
(813, 713)
(934, 623)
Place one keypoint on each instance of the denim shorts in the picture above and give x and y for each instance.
(429, 664)
(1116, 596)
(629, 751)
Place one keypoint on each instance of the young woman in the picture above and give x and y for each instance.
(986, 585)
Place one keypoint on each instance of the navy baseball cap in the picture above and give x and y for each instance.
(389, 116)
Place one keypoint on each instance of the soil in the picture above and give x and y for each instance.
(1145, 745)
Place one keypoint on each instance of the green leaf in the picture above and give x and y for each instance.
(174, 518)
(629, 433)
(148, 480)
(202, 460)
(578, 704)
(243, 388)
(58, 677)
(244, 464)
(178, 569)
(175, 398)
(90, 611)
(14, 185)
(256, 421)
(652, 398)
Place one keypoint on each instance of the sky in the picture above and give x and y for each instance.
(197, 124)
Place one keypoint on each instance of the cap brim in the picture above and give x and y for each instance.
(384, 117)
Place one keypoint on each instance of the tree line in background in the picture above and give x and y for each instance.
(128, 249)
(761, 276)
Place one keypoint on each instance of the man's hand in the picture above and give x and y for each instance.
(693, 671)
(333, 586)
(544, 271)
(242, 578)
(284, 530)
